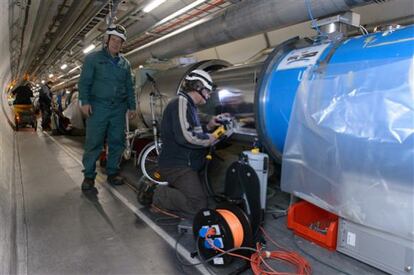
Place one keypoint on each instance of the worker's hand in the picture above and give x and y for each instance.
(131, 114)
(86, 110)
(212, 138)
(215, 121)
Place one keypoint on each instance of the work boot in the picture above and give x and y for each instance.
(115, 179)
(88, 184)
(146, 192)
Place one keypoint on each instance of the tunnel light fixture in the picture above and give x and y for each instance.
(51, 75)
(89, 48)
(43, 82)
(152, 5)
(64, 66)
(181, 11)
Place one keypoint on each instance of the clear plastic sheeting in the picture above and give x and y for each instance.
(350, 143)
(74, 114)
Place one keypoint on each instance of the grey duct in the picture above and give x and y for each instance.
(240, 21)
(155, 16)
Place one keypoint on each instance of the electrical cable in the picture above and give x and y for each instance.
(167, 221)
(211, 194)
(363, 30)
(318, 260)
(257, 259)
(177, 256)
(313, 20)
(285, 255)
(202, 261)
(165, 212)
(235, 225)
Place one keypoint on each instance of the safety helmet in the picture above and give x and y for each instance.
(203, 77)
(117, 30)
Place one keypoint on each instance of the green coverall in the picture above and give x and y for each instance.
(106, 84)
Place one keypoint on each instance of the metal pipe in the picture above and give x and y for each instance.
(81, 12)
(86, 17)
(240, 21)
(39, 28)
(155, 16)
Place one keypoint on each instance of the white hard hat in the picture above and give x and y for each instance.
(203, 77)
(117, 30)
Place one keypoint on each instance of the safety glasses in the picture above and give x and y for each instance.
(118, 29)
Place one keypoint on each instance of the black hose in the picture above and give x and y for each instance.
(211, 194)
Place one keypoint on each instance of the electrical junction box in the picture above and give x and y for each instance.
(260, 163)
(347, 18)
(382, 250)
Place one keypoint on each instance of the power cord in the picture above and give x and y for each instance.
(167, 221)
(318, 260)
(314, 25)
(259, 256)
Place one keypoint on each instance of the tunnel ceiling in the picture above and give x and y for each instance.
(46, 34)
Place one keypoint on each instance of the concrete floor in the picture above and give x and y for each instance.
(48, 226)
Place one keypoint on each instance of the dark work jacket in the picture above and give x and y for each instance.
(184, 141)
(106, 79)
(23, 95)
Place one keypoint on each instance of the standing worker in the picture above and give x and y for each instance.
(23, 95)
(45, 105)
(184, 147)
(106, 94)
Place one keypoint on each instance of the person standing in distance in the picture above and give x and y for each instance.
(45, 105)
(106, 94)
(184, 147)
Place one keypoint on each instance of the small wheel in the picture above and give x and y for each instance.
(148, 162)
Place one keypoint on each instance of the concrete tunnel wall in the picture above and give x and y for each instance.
(10, 206)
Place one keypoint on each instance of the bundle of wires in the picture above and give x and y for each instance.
(259, 264)
(259, 259)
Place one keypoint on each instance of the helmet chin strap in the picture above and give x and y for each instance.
(200, 92)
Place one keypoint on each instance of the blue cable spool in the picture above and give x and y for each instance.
(284, 70)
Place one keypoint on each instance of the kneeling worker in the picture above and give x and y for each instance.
(184, 144)
(106, 94)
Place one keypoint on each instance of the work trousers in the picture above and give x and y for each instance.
(184, 193)
(106, 121)
(46, 114)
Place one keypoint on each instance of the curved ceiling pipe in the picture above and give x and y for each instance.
(87, 16)
(40, 28)
(166, 9)
(82, 12)
(240, 21)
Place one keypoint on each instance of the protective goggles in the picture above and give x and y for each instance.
(117, 28)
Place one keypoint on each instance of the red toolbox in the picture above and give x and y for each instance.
(313, 223)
